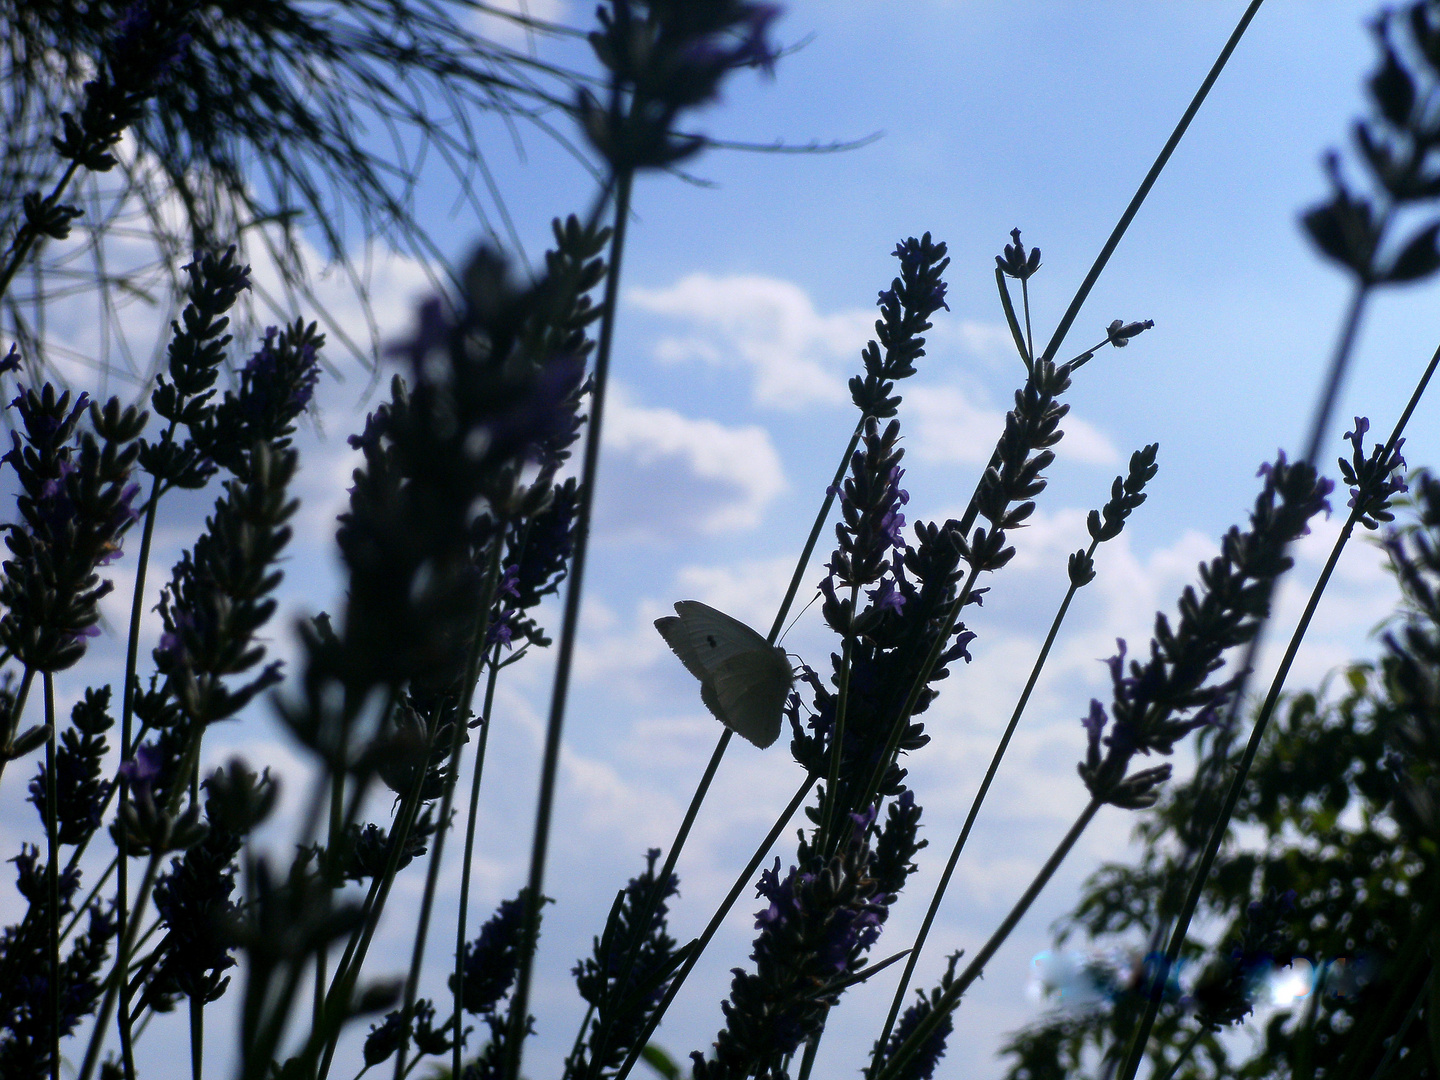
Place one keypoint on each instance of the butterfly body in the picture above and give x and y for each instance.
(744, 680)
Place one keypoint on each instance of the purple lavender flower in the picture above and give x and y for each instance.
(491, 960)
(1162, 700)
(887, 597)
(144, 768)
(1374, 479)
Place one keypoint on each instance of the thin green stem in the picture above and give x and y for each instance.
(1237, 782)
(458, 727)
(462, 915)
(697, 947)
(52, 879)
(1399, 1038)
(574, 1058)
(20, 696)
(944, 882)
(197, 1036)
(317, 1032)
(812, 1047)
(89, 899)
(1025, 303)
(1083, 293)
(118, 975)
(342, 986)
(317, 995)
(28, 234)
(950, 999)
(1184, 1052)
(837, 738)
(820, 518)
(127, 747)
(117, 984)
(549, 771)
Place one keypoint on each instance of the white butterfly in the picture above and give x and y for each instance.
(744, 680)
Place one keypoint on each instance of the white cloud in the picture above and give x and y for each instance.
(682, 475)
(948, 426)
(750, 591)
(796, 354)
(503, 21)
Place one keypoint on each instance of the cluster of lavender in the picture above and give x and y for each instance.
(1411, 668)
(1162, 700)
(457, 527)
(28, 1027)
(1397, 147)
(459, 524)
(819, 925)
(627, 973)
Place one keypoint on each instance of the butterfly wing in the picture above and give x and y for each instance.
(744, 680)
(751, 690)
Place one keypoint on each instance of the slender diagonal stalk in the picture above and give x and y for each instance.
(458, 726)
(342, 985)
(723, 743)
(812, 1047)
(89, 899)
(697, 947)
(28, 234)
(350, 948)
(1399, 1038)
(837, 735)
(460, 921)
(1222, 823)
(52, 879)
(107, 1007)
(1161, 160)
(197, 1036)
(1183, 1053)
(951, 997)
(121, 786)
(944, 882)
(117, 983)
(15, 713)
(1025, 303)
(821, 517)
(520, 999)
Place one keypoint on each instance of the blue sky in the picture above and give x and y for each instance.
(745, 305)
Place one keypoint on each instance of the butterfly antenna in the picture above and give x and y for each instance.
(798, 614)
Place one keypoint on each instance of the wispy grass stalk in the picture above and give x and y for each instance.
(21, 697)
(347, 973)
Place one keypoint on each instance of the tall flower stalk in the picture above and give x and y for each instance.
(663, 58)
